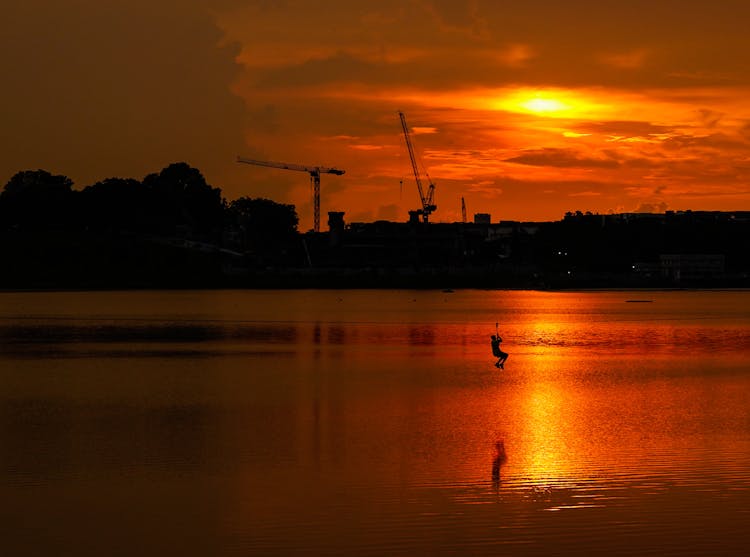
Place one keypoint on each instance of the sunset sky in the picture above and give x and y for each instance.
(526, 109)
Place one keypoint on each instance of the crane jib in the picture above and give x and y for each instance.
(428, 205)
(313, 171)
(310, 169)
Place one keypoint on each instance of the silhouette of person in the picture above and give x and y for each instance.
(498, 461)
(499, 354)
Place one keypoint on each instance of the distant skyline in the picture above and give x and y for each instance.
(525, 109)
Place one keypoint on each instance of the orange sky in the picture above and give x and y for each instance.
(526, 109)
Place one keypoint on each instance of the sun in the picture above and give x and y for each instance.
(550, 104)
(544, 105)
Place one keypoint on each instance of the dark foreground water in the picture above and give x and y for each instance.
(368, 423)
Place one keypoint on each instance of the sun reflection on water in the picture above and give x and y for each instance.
(542, 453)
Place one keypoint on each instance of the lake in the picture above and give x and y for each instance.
(374, 423)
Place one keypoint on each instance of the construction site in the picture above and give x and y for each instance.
(426, 197)
(394, 251)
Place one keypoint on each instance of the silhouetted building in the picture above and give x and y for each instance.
(335, 227)
(482, 218)
(691, 267)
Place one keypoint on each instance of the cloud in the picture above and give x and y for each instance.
(717, 141)
(516, 55)
(365, 147)
(444, 44)
(587, 193)
(630, 60)
(117, 88)
(709, 118)
(339, 67)
(264, 118)
(623, 128)
(657, 207)
(458, 17)
(562, 158)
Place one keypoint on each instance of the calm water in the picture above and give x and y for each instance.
(366, 423)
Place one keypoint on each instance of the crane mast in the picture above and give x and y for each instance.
(313, 171)
(428, 205)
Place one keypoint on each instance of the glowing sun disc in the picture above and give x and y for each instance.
(541, 105)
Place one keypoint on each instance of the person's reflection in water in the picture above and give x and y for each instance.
(498, 461)
(317, 340)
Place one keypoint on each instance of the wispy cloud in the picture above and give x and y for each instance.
(629, 60)
(562, 158)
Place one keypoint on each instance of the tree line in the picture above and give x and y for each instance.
(122, 227)
(175, 201)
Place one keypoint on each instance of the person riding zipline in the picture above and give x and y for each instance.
(499, 354)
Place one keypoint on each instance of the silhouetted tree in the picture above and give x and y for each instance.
(180, 196)
(37, 199)
(113, 204)
(264, 224)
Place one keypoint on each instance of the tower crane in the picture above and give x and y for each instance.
(428, 205)
(313, 171)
